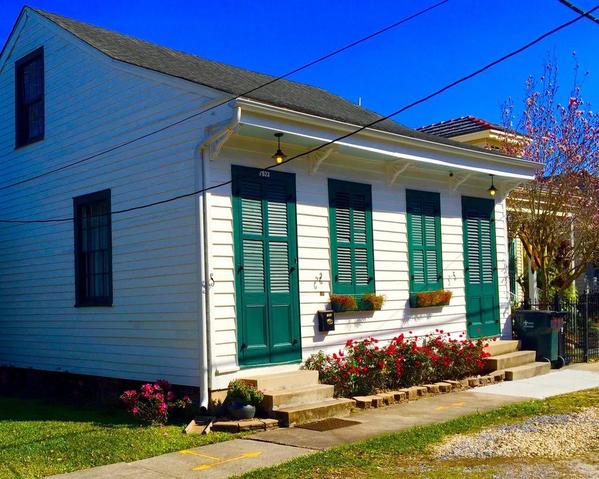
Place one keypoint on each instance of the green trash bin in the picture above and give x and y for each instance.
(541, 331)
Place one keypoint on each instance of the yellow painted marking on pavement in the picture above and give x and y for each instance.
(245, 455)
(455, 404)
(194, 453)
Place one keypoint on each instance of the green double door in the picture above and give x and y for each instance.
(480, 267)
(266, 276)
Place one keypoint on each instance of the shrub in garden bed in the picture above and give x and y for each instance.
(366, 366)
(156, 403)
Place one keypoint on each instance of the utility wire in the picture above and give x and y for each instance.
(228, 99)
(347, 135)
(579, 10)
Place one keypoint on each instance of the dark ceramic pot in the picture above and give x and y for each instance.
(239, 410)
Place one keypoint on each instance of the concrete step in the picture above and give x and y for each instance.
(294, 415)
(280, 398)
(527, 371)
(290, 380)
(502, 346)
(510, 360)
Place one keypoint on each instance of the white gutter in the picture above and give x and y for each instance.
(205, 269)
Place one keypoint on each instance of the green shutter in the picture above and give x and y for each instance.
(352, 257)
(424, 241)
(266, 275)
(480, 267)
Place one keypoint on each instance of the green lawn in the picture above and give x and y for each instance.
(405, 454)
(38, 439)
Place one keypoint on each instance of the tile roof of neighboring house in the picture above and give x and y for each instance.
(459, 126)
(283, 93)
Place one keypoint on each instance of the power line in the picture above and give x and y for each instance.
(248, 92)
(579, 10)
(347, 135)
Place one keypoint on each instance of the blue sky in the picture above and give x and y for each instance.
(387, 72)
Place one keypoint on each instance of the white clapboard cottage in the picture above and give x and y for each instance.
(227, 283)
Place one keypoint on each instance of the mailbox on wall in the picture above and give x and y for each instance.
(326, 320)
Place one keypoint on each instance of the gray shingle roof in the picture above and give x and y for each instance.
(230, 79)
(459, 126)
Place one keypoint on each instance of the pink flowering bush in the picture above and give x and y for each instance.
(364, 367)
(154, 403)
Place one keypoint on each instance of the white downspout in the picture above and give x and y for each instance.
(205, 279)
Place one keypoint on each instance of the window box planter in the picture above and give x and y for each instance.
(430, 299)
(372, 302)
(341, 303)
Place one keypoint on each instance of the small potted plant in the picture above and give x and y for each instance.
(342, 302)
(242, 400)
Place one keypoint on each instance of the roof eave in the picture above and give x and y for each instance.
(394, 137)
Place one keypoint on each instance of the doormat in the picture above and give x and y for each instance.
(328, 424)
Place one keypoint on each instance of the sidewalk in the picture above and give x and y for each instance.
(270, 448)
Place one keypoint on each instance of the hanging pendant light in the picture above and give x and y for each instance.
(492, 190)
(279, 156)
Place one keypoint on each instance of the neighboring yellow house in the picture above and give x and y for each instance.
(482, 133)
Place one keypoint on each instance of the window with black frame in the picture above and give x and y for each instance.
(93, 249)
(29, 98)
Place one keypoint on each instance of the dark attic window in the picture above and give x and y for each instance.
(29, 98)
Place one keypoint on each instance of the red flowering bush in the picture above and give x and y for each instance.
(360, 369)
(363, 367)
(153, 403)
(455, 358)
(409, 363)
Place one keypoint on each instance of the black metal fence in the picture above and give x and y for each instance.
(580, 332)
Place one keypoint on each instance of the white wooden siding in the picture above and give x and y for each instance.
(152, 330)
(390, 256)
(92, 103)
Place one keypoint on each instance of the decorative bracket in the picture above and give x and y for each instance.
(395, 169)
(318, 157)
(217, 135)
(459, 181)
(215, 147)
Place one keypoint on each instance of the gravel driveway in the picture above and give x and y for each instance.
(554, 436)
(544, 447)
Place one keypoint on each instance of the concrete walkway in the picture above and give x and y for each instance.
(553, 384)
(270, 448)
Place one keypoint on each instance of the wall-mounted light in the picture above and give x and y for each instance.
(492, 190)
(279, 156)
